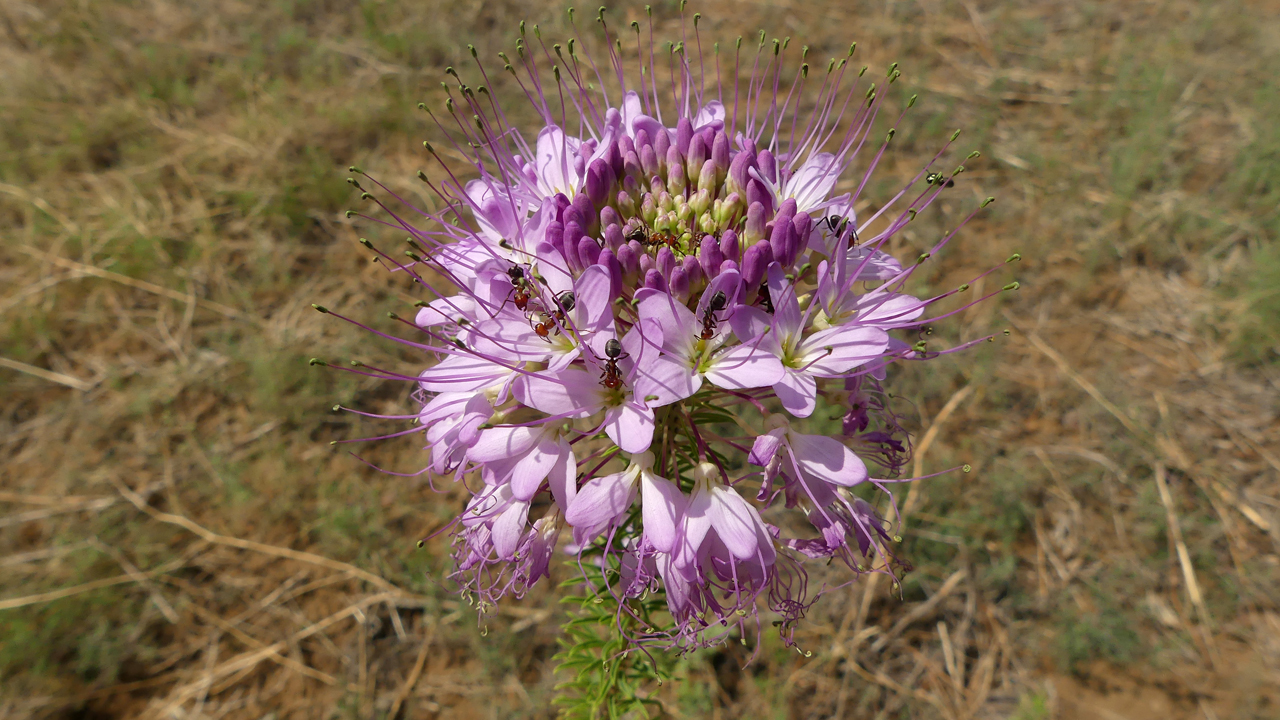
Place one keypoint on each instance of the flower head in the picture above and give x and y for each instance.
(617, 293)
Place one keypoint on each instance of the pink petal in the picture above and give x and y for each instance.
(735, 522)
(812, 182)
(663, 380)
(828, 459)
(693, 528)
(600, 502)
(677, 321)
(508, 528)
(661, 504)
(461, 372)
(888, 310)
(591, 293)
(744, 366)
(571, 392)
(446, 310)
(529, 473)
(749, 323)
(630, 426)
(563, 476)
(502, 443)
(837, 350)
(765, 447)
(786, 308)
(797, 391)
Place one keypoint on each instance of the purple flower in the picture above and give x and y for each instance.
(606, 291)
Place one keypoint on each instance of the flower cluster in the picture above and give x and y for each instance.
(635, 312)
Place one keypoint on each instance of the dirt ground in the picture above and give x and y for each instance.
(180, 540)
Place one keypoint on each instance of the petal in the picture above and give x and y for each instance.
(554, 162)
(446, 310)
(563, 476)
(591, 293)
(835, 351)
(797, 391)
(813, 181)
(602, 501)
(630, 426)
(503, 443)
(693, 528)
(461, 372)
(787, 319)
(738, 525)
(508, 528)
(888, 310)
(661, 505)
(744, 366)
(572, 392)
(765, 447)
(827, 459)
(534, 468)
(749, 323)
(677, 322)
(663, 380)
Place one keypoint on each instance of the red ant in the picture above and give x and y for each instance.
(556, 317)
(611, 378)
(520, 294)
(709, 320)
(644, 236)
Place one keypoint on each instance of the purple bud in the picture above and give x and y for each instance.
(728, 265)
(609, 216)
(613, 234)
(647, 263)
(573, 214)
(738, 167)
(697, 152)
(583, 203)
(609, 261)
(720, 150)
(729, 245)
(554, 236)
(600, 179)
(648, 161)
(787, 209)
(626, 202)
(676, 182)
(653, 279)
(754, 261)
(661, 142)
(589, 251)
(628, 259)
(613, 156)
(631, 164)
(804, 226)
(756, 193)
(755, 223)
(778, 240)
(707, 176)
(572, 233)
(684, 134)
(642, 139)
(710, 255)
(692, 269)
(679, 284)
(768, 167)
(625, 146)
(748, 145)
(666, 260)
(562, 202)
(579, 165)
(630, 185)
(674, 157)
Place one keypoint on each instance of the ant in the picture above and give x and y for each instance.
(718, 301)
(555, 318)
(764, 298)
(644, 236)
(611, 378)
(937, 178)
(520, 292)
(837, 225)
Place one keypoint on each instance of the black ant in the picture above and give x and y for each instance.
(520, 292)
(837, 225)
(718, 301)
(555, 318)
(764, 298)
(937, 178)
(611, 378)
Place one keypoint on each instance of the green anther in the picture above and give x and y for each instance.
(352, 181)
(974, 154)
(804, 69)
(1014, 258)
(696, 18)
(472, 48)
(570, 47)
(522, 28)
(761, 38)
(863, 71)
(503, 56)
(635, 26)
(336, 408)
(570, 11)
(448, 103)
(955, 135)
(650, 398)
(920, 346)
(891, 69)
(509, 69)
(365, 242)
(350, 213)
(831, 66)
(889, 135)
(556, 49)
(422, 544)
(923, 257)
(967, 468)
(320, 308)
(413, 256)
(422, 176)
(421, 304)
(987, 202)
(959, 169)
(894, 77)
(852, 47)
(1006, 333)
(649, 10)
(777, 47)
(738, 45)
(871, 91)
(804, 52)
(318, 361)
(422, 106)
(356, 363)
(963, 287)
(537, 32)
(555, 70)
(355, 170)
(912, 101)
(1012, 286)
(366, 196)
(912, 212)
(428, 146)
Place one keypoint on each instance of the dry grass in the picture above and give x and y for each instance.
(182, 542)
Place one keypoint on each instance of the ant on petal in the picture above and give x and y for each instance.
(611, 378)
(555, 318)
(709, 319)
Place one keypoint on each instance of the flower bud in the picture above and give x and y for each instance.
(573, 214)
(684, 134)
(679, 284)
(754, 230)
(628, 259)
(720, 151)
(786, 210)
(613, 237)
(697, 154)
(554, 236)
(661, 142)
(700, 201)
(610, 262)
(654, 280)
(600, 179)
(729, 245)
(609, 216)
(649, 161)
(768, 166)
(782, 240)
(648, 209)
(707, 176)
(561, 203)
(647, 263)
(692, 270)
(710, 256)
(613, 156)
(631, 165)
(804, 227)
(580, 164)
(738, 175)
(643, 139)
(728, 265)
(675, 178)
(573, 233)
(757, 193)
(626, 203)
(754, 261)
(666, 260)
(588, 251)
